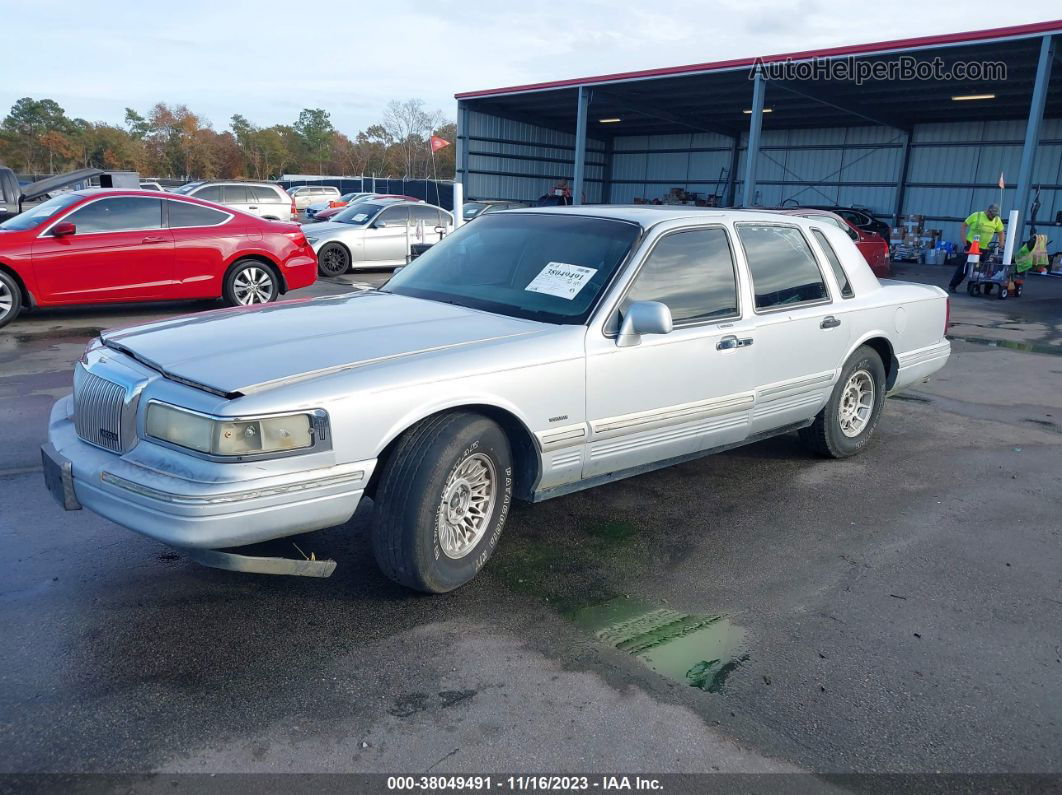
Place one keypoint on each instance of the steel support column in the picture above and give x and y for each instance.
(752, 151)
(901, 183)
(728, 197)
(606, 184)
(1032, 130)
(580, 144)
(462, 144)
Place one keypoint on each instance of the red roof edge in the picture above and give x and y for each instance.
(1013, 31)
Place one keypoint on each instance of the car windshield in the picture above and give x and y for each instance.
(186, 189)
(40, 213)
(552, 268)
(472, 209)
(357, 214)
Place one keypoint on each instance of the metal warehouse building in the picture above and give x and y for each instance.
(792, 129)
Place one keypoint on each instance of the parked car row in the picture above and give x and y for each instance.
(42, 260)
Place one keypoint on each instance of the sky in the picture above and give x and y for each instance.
(268, 59)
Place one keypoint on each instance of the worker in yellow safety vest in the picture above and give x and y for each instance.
(982, 225)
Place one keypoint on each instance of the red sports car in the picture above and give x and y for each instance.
(104, 246)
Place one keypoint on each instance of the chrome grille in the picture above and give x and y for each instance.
(98, 405)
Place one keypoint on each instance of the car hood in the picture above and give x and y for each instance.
(328, 228)
(249, 349)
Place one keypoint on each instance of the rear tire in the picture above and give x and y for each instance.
(10, 299)
(333, 259)
(846, 424)
(250, 282)
(442, 501)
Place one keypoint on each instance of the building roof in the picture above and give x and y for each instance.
(713, 96)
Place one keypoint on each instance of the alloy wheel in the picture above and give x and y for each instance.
(253, 285)
(857, 404)
(467, 505)
(7, 300)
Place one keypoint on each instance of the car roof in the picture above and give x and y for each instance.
(817, 211)
(651, 214)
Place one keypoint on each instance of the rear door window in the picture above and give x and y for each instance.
(784, 270)
(835, 263)
(238, 194)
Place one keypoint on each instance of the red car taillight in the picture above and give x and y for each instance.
(294, 211)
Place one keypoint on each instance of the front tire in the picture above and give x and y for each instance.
(250, 282)
(442, 501)
(333, 259)
(845, 426)
(10, 299)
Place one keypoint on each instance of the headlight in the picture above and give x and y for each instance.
(235, 437)
(311, 240)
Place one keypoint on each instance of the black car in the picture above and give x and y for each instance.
(861, 218)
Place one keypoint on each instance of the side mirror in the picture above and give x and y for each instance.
(64, 229)
(643, 317)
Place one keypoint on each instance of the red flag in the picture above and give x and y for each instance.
(438, 143)
(1002, 184)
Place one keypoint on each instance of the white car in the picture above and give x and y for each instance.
(264, 199)
(530, 354)
(375, 233)
(305, 195)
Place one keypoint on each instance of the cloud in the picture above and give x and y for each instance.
(267, 59)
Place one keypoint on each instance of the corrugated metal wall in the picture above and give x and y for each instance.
(515, 160)
(648, 166)
(953, 169)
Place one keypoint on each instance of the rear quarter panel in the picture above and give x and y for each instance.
(909, 316)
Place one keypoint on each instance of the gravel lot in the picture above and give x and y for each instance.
(901, 611)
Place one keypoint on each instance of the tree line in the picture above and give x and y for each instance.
(37, 137)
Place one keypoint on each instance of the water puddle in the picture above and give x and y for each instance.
(1025, 347)
(910, 398)
(696, 650)
(77, 334)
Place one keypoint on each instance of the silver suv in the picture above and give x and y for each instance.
(263, 199)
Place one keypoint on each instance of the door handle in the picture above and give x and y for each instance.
(829, 322)
(153, 239)
(730, 342)
(252, 208)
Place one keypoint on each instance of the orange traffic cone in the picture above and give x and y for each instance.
(973, 258)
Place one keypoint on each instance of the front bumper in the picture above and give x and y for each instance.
(168, 503)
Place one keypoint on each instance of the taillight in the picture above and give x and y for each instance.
(947, 315)
(294, 211)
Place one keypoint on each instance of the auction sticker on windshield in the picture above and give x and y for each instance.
(561, 279)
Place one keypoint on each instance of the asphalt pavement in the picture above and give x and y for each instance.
(757, 610)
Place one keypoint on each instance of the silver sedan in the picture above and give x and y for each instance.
(377, 233)
(530, 354)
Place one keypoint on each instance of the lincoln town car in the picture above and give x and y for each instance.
(527, 355)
